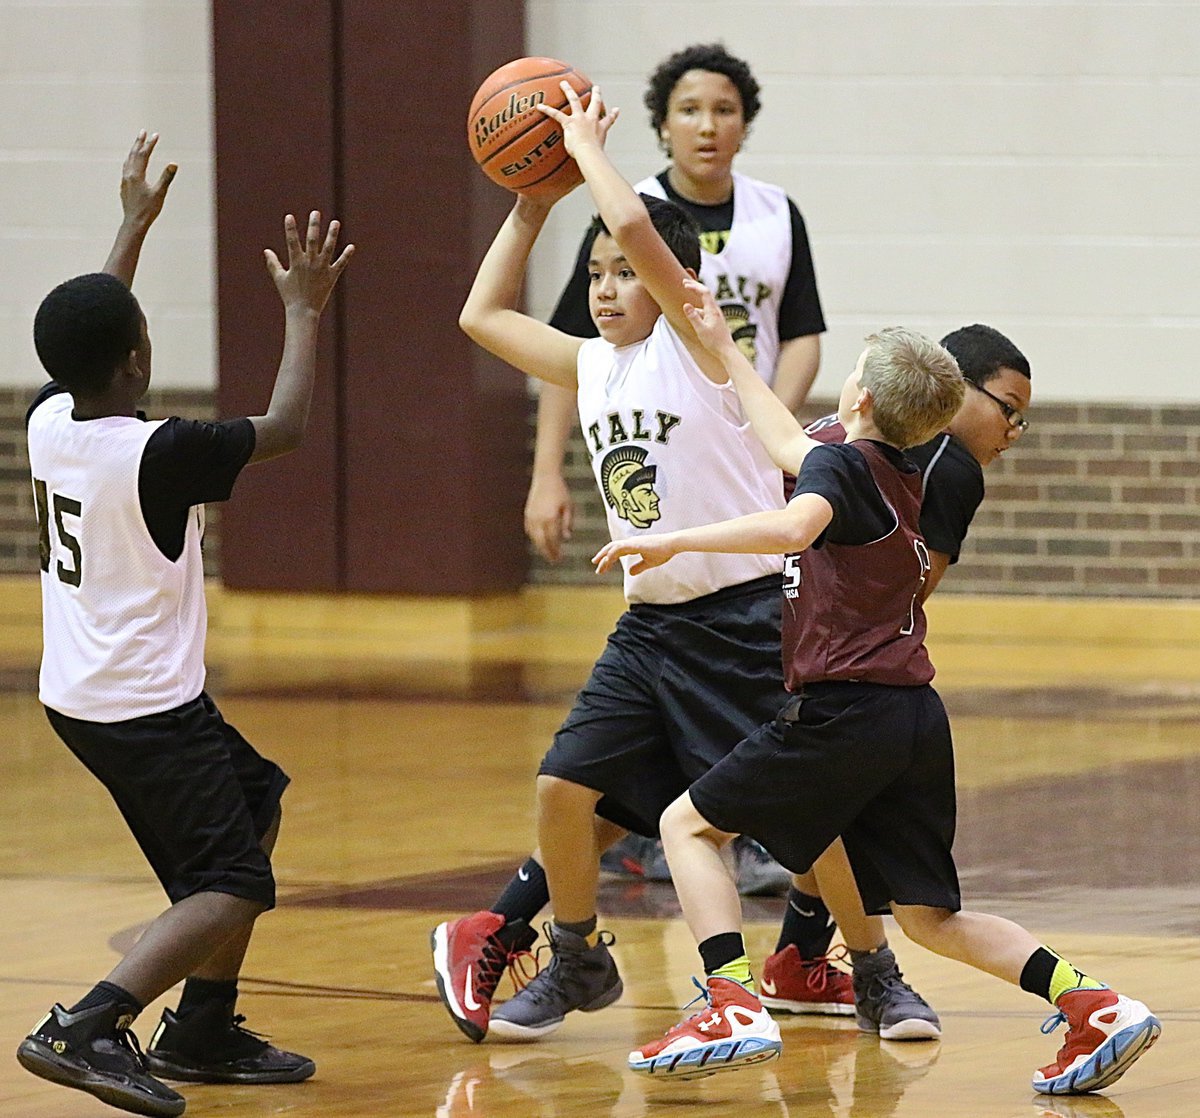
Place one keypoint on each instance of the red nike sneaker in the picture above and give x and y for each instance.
(733, 1031)
(798, 985)
(469, 958)
(1106, 1033)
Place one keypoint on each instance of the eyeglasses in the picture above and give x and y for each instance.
(1014, 417)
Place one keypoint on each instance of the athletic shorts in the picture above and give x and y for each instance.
(869, 762)
(194, 792)
(675, 689)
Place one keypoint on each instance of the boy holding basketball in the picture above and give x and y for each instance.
(693, 663)
(120, 516)
(862, 747)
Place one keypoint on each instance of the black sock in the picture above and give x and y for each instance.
(579, 927)
(197, 991)
(107, 993)
(525, 895)
(719, 950)
(1038, 971)
(807, 924)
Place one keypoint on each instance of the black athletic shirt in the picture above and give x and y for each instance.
(952, 481)
(186, 462)
(842, 476)
(799, 308)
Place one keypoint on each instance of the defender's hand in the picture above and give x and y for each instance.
(312, 271)
(707, 318)
(654, 552)
(141, 201)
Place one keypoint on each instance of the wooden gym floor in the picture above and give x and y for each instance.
(412, 730)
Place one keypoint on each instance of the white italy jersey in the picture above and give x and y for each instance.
(670, 450)
(123, 626)
(748, 275)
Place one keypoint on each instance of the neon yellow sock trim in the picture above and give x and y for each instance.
(1066, 977)
(738, 970)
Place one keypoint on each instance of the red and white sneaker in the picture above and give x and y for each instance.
(469, 959)
(797, 985)
(733, 1031)
(1106, 1033)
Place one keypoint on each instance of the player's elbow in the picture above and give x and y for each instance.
(470, 322)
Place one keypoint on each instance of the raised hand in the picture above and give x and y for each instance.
(706, 318)
(581, 126)
(141, 201)
(654, 552)
(311, 272)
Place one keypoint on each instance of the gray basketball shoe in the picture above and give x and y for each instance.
(577, 977)
(885, 1004)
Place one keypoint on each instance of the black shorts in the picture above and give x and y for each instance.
(194, 792)
(676, 688)
(871, 763)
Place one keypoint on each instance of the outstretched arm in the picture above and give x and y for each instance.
(141, 203)
(304, 287)
(776, 532)
(625, 216)
(490, 316)
(777, 429)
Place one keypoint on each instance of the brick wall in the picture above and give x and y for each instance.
(18, 523)
(1096, 500)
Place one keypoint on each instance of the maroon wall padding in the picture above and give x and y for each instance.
(413, 473)
(275, 153)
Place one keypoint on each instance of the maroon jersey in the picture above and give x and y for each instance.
(827, 429)
(853, 611)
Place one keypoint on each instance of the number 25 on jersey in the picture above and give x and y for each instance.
(63, 507)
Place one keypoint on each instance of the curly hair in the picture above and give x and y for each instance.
(700, 56)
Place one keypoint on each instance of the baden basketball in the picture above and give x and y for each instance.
(516, 145)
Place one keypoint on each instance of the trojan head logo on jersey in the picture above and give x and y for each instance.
(737, 318)
(629, 485)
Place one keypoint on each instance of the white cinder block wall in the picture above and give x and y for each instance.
(77, 81)
(1033, 165)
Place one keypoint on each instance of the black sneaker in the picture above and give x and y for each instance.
(577, 977)
(209, 1045)
(94, 1051)
(885, 1004)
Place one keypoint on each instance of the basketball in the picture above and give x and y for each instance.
(516, 145)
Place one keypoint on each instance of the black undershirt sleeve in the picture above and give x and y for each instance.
(571, 314)
(800, 306)
(840, 474)
(49, 389)
(189, 462)
(953, 484)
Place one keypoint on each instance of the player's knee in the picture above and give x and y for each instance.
(682, 821)
(922, 924)
(555, 794)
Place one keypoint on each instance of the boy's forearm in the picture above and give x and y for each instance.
(616, 201)
(501, 273)
(286, 418)
(123, 257)
(555, 418)
(777, 429)
(774, 532)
